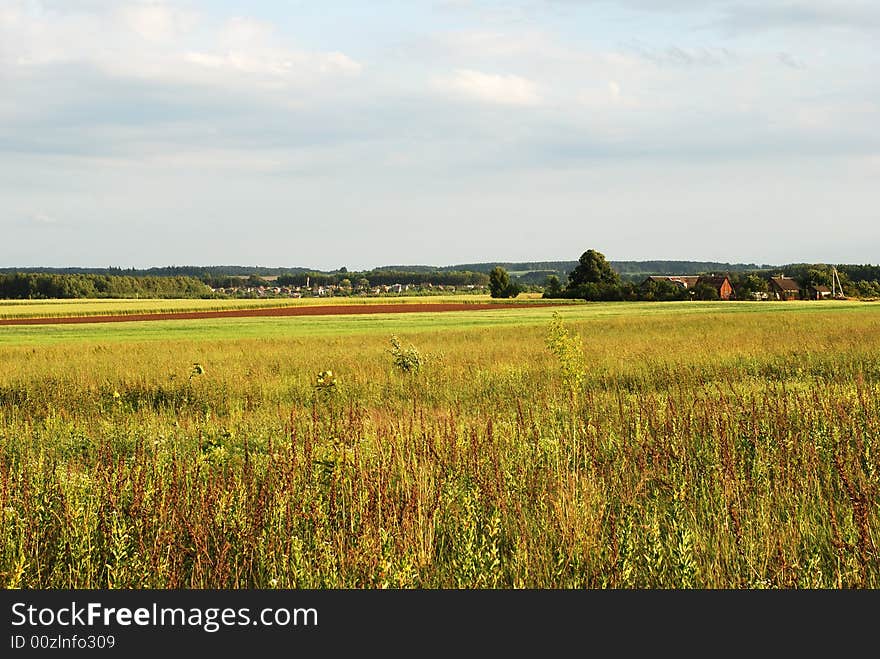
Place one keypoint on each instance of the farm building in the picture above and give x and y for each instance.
(784, 288)
(720, 283)
(819, 292)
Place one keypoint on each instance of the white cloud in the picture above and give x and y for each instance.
(504, 89)
(790, 60)
(493, 44)
(614, 90)
(159, 42)
(43, 218)
(760, 15)
(39, 219)
(157, 22)
(281, 65)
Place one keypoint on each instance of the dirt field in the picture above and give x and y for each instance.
(324, 310)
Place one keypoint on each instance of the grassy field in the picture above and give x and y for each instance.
(665, 445)
(102, 307)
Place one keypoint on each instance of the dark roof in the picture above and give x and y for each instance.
(786, 283)
(822, 288)
(716, 281)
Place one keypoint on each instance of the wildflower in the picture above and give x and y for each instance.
(325, 380)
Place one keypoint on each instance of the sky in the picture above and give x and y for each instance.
(359, 134)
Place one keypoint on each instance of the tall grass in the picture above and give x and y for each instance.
(700, 450)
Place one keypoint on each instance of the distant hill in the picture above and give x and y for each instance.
(409, 268)
(683, 267)
(527, 272)
(638, 270)
(536, 272)
(168, 271)
(514, 267)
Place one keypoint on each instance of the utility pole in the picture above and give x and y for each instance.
(836, 291)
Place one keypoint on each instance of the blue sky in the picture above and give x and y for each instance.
(437, 131)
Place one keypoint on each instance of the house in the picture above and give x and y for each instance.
(784, 288)
(721, 283)
(819, 292)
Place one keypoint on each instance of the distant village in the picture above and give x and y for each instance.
(340, 290)
(779, 288)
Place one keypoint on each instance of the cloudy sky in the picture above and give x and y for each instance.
(322, 134)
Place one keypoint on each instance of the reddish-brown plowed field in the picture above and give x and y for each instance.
(323, 310)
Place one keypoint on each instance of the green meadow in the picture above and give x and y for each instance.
(606, 445)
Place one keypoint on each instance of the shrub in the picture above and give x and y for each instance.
(568, 351)
(406, 360)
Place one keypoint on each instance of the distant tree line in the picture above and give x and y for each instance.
(860, 272)
(640, 269)
(592, 277)
(24, 286)
(198, 271)
(857, 280)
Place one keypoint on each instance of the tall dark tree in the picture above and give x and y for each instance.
(499, 282)
(592, 268)
(552, 287)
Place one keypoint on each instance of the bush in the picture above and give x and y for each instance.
(406, 360)
(706, 292)
(569, 352)
(602, 292)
